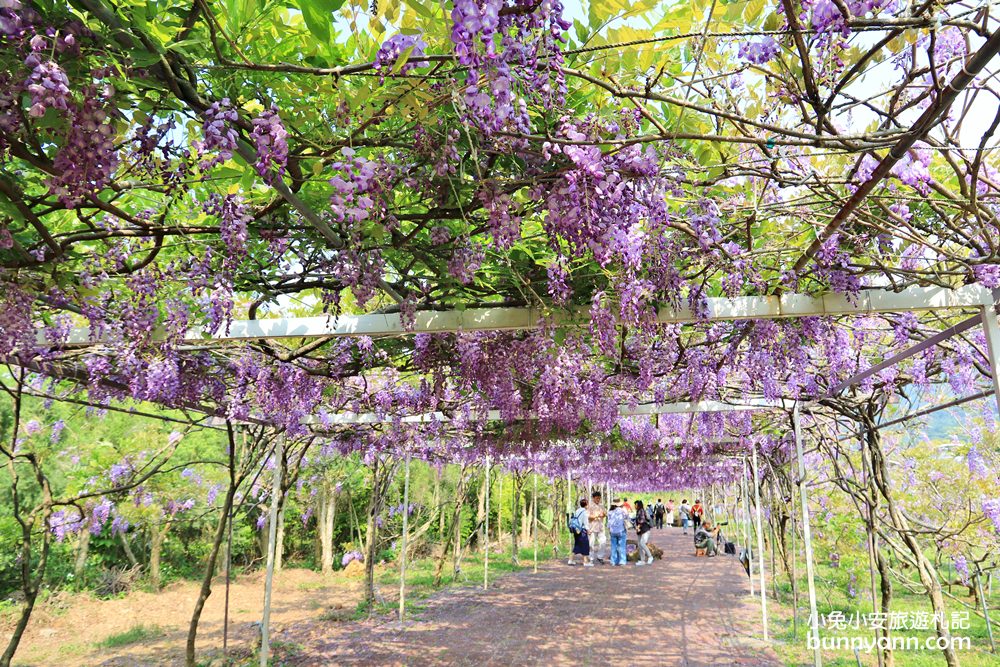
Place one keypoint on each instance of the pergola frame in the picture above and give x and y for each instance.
(914, 299)
(872, 301)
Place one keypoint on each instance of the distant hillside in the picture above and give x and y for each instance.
(943, 425)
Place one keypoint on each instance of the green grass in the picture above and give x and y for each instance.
(312, 585)
(133, 635)
(832, 596)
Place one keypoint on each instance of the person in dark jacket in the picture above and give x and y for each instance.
(642, 526)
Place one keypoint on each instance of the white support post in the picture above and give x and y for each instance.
(746, 525)
(795, 573)
(486, 532)
(569, 494)
(992, 329)
(807, 539)
(534, 518)
(406, 529)
(272, 534)
(760, 544)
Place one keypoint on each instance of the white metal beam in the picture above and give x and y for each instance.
(501, 319)
(495, 415)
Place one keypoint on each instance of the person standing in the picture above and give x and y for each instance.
(581, 543)
(685, 510)
(642, 526)
(595, 527)
(658, 511)
(618, 527)
(670, 512)
(697, 512)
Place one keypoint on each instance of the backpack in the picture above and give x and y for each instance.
(575, 526)
(730, 548)
(616, 522)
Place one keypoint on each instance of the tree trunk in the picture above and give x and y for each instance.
(885, 590)
(381, 477)
(557, 491)
(41, 514)
(456, 524)
(515, 515)
(327, 523)
(355, 528)
(30, 588)
(925, 569)
(871, 503)
(528, 512)
(436, 501)
(158, 532)
(133, 561)
(320, 530)
(82, 549)
(206, 582)
(454, 539)
(481, 511)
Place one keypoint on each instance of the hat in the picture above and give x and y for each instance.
(617, 501)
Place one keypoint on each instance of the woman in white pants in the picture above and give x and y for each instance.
(642, 527)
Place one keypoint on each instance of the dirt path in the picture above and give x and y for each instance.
(680, 611)
(67, 631)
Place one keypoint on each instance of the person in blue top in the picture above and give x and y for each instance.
(618, 520)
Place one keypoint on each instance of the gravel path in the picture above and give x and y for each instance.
(679, 611)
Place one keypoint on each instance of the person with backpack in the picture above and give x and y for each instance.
(697, 512)
(685, 510)
(658, 511)
(642, 526)
(618, 527)
(581, 542)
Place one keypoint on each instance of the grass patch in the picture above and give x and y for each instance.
(286, 648)
(71, 649)
(133, 635)
(337, 614)
(312, 585)
(832, 596)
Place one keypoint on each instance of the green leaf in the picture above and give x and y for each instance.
(419, 8)
(401, 60)
(318, 15)
(143, 58)
(753, 10)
